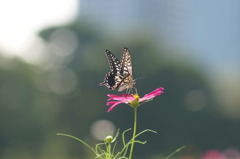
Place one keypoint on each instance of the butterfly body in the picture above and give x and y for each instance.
(120, 76)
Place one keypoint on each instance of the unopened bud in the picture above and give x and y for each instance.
(109, 139)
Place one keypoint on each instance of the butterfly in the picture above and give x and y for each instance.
(120, 76)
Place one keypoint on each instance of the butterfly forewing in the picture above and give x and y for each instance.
(113, 62)
(126, 63)
(126, 71)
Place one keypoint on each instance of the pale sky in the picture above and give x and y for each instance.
(20, 21)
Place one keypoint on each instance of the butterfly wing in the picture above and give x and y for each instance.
(126, 63)
(126, 71)
(120, 75)
(113, 62)
(112, 79)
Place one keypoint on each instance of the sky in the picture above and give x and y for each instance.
(22, 20)
(215, 30)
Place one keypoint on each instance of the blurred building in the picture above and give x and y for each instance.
(210, 28)
(162, 16)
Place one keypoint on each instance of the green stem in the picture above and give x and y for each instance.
(173, 153)
(109, 151)
(134, 132)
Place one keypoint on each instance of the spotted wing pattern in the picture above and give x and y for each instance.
(112, 78)
(120, 76)
(126, 71)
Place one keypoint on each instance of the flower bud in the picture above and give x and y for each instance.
(108, 139)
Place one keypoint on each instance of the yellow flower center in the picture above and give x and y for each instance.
(135, 103)
(136, 96)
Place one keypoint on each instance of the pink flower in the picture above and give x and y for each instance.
(132, 99)
(213, 154)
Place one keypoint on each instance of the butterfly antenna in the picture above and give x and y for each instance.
(139, 78)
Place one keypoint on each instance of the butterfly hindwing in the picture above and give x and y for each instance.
(110, 81)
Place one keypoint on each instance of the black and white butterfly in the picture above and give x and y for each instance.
(120, 76)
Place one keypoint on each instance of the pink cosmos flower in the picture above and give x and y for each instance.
(132, 99)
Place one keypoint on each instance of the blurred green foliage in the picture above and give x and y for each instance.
(35, 103)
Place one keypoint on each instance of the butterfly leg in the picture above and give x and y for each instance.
(135, 90)
(130, 90)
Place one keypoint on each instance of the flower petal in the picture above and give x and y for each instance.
(152, 94)
(156, 91)
(124, 98)
(112, 96)
(121, 97)
(113, 106)
(112, 102)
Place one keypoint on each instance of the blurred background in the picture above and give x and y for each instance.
(52, 60)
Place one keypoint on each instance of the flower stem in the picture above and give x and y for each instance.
(108, 151)
(134, 132)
